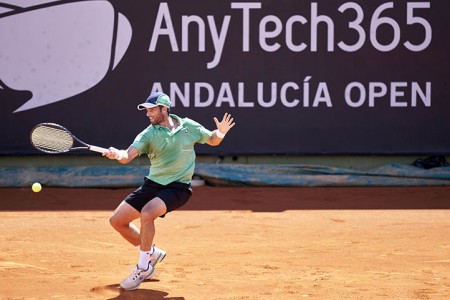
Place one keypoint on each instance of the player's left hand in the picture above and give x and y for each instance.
(226, 124)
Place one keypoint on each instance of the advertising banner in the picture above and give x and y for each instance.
(299, 77)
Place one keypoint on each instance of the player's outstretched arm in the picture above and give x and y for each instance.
(222, 129)
(123, 156)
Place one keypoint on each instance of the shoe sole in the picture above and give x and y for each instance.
(151, 274)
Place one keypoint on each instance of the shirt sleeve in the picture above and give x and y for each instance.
(203, 133)
(142, 141)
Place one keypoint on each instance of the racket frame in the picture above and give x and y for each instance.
(74, 138)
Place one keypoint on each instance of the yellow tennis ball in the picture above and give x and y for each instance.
(36, 187)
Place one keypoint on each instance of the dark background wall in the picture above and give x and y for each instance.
(300, 77)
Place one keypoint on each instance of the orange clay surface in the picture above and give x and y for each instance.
(232, 243)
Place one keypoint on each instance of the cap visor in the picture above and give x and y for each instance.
(145, 105)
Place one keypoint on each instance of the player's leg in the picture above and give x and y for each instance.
(121, 221)
(130, 209)
(149, 213)
(145, 269)
(168, 198)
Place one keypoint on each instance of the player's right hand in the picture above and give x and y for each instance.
(113, 153)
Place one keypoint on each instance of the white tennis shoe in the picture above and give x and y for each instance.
(136, 277)
(157, 256)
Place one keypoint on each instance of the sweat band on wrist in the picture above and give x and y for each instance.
(119, 155)
(220, 134)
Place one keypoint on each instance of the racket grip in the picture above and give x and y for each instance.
(98, 149)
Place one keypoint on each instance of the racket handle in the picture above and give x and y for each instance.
(98, 149)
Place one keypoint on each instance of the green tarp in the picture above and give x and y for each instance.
(229, 174)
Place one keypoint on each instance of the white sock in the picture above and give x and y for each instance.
(144, 259)
(151, 250)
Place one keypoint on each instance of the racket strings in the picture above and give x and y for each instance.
(51, 139)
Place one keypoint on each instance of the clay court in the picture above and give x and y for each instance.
(233, 243)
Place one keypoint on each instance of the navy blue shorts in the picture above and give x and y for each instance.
(174, 195)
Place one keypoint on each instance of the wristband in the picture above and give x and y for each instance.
(220, 134)
(119, 155)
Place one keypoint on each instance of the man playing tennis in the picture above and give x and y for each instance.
(169, 144)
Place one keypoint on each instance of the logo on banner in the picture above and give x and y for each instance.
(56, 50)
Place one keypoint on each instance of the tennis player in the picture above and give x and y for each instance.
(169, 144)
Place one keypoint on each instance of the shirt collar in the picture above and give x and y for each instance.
(177, 118)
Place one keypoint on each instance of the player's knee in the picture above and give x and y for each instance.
(148, 215)
(152, 210)
(115, 222)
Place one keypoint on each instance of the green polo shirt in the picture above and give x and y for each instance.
(171, 153)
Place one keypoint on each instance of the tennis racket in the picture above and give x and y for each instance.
(54, 138)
